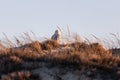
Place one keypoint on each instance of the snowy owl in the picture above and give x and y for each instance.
(56, 36)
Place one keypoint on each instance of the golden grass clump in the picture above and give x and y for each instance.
(50, 44)
(36, 46)
(93, 48)
(98, 49)
(31, 50)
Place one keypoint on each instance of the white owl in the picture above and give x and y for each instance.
(56, 36)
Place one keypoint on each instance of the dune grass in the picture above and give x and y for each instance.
(82, 53)
(93, 54)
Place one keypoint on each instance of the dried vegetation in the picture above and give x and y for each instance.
(77, 52)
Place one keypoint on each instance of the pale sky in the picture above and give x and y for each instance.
(98, 17)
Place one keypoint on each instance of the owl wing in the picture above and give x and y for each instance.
(54, 37)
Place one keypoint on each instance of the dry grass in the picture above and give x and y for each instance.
(86, 54)
(49, 45)
(77, 52)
